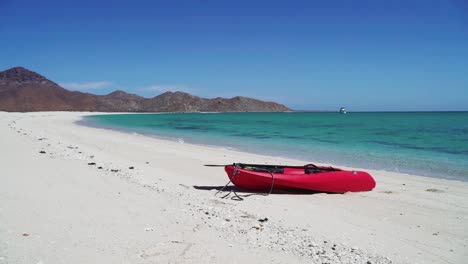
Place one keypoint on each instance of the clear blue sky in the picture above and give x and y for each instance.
(365, 55)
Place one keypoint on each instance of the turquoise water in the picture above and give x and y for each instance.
(424, 143)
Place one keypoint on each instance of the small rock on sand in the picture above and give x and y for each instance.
(258, 226)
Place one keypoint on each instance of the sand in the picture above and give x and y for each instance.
(101, 196)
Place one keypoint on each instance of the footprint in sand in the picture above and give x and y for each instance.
(167, 250)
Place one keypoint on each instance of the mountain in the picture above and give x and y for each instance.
(22, 90)
(20, 76)
(120, 101)
(184, 102)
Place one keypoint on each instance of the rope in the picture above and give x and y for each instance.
(272, 183)
(236, 196)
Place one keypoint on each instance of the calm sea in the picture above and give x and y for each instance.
(425, 143)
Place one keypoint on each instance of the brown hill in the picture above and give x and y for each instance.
(120, 101)
(22, 90)
(184, 102)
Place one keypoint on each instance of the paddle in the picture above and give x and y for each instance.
(260, 165)
(312, 168)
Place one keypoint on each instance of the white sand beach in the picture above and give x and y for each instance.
(81, 202)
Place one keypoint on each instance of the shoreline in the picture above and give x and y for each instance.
(340, 162)
(164, 209)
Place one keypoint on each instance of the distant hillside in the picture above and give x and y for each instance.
(22, 90)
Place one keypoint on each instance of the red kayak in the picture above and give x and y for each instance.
(257, 177)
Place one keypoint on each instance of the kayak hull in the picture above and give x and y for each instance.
(334, 181)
